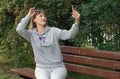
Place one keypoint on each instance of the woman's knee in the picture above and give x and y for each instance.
(59, 73)
(41, 73)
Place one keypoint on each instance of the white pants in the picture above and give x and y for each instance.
(51, 73)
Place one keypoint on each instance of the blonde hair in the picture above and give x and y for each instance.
(32, 23)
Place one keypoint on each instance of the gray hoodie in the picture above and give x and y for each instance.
(46, 46)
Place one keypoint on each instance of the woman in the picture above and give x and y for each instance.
(45, 43)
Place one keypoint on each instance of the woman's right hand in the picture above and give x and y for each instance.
(31, 12)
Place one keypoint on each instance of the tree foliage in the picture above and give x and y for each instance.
(99, 27)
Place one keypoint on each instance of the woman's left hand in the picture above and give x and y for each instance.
(76, 15)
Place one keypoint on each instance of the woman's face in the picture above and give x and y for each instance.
(40, 19)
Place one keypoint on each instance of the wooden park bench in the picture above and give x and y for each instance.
(104, 64)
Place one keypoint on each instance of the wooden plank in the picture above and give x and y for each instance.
(27, 72)
(92, 61)
(90, 52)
(93, 71)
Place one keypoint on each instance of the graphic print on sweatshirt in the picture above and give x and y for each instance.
(42, 39)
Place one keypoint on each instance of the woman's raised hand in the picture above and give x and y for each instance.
(76, 15)
(31, 12)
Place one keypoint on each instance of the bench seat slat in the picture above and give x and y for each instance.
(90, 52)
(27, 72)
(93, 71)
(92, 61)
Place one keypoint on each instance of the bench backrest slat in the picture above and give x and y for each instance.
(91, 52)
(93, 71)
(92, 61)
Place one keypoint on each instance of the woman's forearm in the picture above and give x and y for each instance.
(23, 23)
(21, 28)
(77, 21)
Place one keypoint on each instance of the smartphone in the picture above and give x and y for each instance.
(74, 7)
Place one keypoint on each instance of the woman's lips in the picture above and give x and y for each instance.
(43, 20)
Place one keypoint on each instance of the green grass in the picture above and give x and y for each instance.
(5, 66)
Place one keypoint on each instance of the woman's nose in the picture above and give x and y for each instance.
(44, 17)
